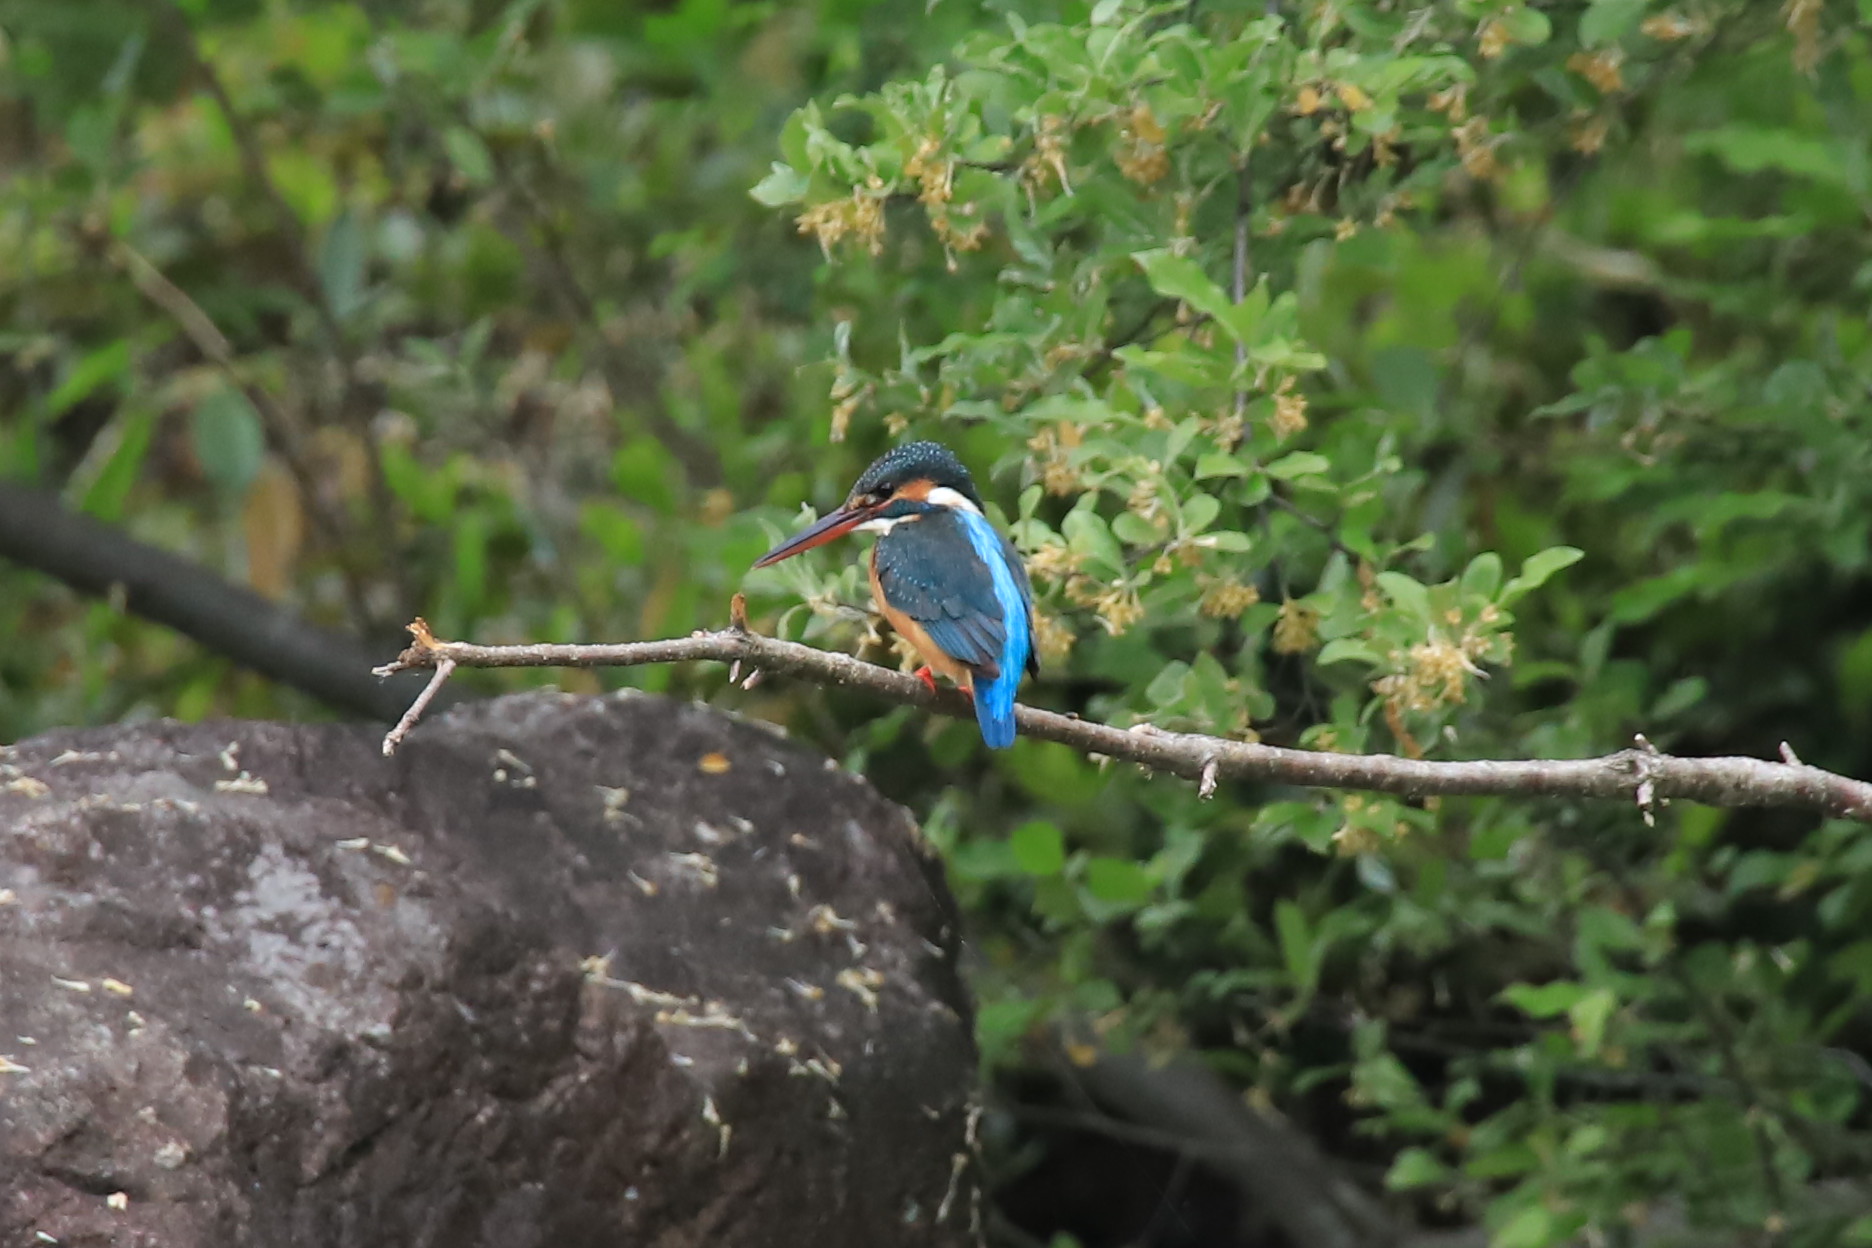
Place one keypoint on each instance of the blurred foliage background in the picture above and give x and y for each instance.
(1468, 378)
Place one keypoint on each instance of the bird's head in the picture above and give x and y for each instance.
(911, 481)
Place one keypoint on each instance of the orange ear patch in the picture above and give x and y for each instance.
(917, 491)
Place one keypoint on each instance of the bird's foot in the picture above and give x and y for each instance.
(927, 676)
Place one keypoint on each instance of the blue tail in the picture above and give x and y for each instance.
(994, 707)
(994, 700)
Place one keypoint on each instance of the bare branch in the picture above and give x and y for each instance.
(1642, 775)
(38, 531)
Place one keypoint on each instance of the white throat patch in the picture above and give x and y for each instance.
(943, 496)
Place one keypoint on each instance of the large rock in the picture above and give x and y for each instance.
(564, 972)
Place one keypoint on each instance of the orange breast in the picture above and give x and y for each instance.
(917, 635)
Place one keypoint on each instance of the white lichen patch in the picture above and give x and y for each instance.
(713, 1117)
(825, 920)
(818, 1067)
(10, 1067)
(72, 985)
(701, 866)
(614, 801)
(512, 770)
(26, 786)
(863, 983)
(243, 783)
(116, 987)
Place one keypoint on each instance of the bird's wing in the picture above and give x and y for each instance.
(1025, 588)
(928, 569)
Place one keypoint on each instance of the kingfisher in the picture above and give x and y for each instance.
(942, 575)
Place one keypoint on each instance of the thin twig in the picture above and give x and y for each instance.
(394, 737)
(1711, 781)
(1238, 278)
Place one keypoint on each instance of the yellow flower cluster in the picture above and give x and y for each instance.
(1290, 411)
(1054, 561)
(1224, 598)
(1602, 68)
(1803, 22)
(1433, 673)
(1055, 445)
(1052, 639)
(861, 216)
(1145, 504)
(1118, 609)
(1476, 149)
(1669, 27)
(1452, 102)
(1296, 628)
(1141, 156)
(1048, 156)
(1588, 134)
(1492, 40)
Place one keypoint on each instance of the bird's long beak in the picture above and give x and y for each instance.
(837, 524)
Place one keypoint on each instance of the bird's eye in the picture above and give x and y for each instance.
(877, 498)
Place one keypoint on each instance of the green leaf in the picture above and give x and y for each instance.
(1167, 687)
(468, 154)
(1527, 26)
(1218, 464)
(1482, 577)
(1538, 569)
(1179, 277)
(1134, 530)
(1117, 881)
(1199, 512)
(1415, 1167)
(1589, 1016)
(1544, 1000)
(783, 185)
(1298, 464)
(1039, 848)
(108, 363)
(1410, 596)
(1087, 534)
(110, 489)
(341, 258)
(1300, 946)
(228, 440)
(1532, 1227)
(1608, 21)
(1346, 650)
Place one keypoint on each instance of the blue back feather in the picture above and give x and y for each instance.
(994, 701)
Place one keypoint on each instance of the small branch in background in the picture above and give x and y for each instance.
(1194, 756)
(1278, 1171)
(39, 531)
(1242, 267)
(200, 329)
